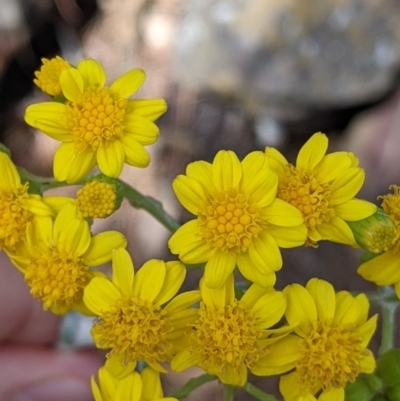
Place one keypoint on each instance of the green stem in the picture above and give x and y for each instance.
(257, 393)
(388, 320)
(41, 184)
(229, 393)
(151, 205)
(191, 385)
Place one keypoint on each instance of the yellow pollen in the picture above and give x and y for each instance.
(226, 336)
(307, 194)
(391, 206)
(48, 77)
(331, 357)
(14, 216)
(96, 118)
(135, 329)
(230, 222)
(57, 278)
(96, 200)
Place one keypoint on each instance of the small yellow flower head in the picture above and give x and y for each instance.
(98, 198)
(329, 348)
(48, 77)
(145, 386)
(55, 258)
(323, 188)
(17, 206)
(385, 268)
(376, 233)
(230, 336)
(98, 124)
(238, 219)
(132, 321)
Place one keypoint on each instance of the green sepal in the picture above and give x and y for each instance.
(5, 150)
(359, 390)
(393, 393)
(388, 367)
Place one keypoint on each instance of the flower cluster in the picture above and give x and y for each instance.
(244, 212)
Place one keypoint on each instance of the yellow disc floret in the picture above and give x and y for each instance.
(391, 206)
(57, 278)
(302, 190)
(230, 222)
(135, 329)
(48, 77)
(96, 118)
(96, 200)
(331, 356)
(226, 336)
(14, 216)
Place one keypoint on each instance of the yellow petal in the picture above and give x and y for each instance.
(281, 213)
(367, 330)
(227, 170)
(347, 309)
(336, 230)
(152, 389)
(288, 237)
(126, 85)
(276, 161)
(9, 174)
(129, 388)
(150, 109)
(185, 360)
(56, 203)
(347, 186)
(252, 273)
(218, 297)
(270, 309)
(92, 73)
(332, 166)
(300, 308)
(218, 268)
(37, 206)
(368, 363)
(95, 390)
(335, 394)
(101, 246)
(122, 271)
(74, 238)
(174, 278)
(312, 152)
(324, 298)
(143, 131)
(149, 280)
(72, 85)
(355, 209)
(253, 294)
(111, 158)
(265, 253)
(135, 154)
(100, 295)
(71, 165)
(190, 194)
(201, 171)
(183, 301)
(290, 388)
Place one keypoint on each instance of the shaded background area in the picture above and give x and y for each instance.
(237, 74)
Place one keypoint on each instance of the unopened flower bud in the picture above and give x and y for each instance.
(99, 197)
(376, 233)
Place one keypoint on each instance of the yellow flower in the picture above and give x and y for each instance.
(384, 269)
(232, 336)
(132, 320)
(17, 206)
(239, 220)
(323, 188)
(98, 124)
(48, 77)
(56, 258)
(329, 348)
(145, 386)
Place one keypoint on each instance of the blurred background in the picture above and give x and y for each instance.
(237, 74)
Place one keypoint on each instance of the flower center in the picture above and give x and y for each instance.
(226, 336)
(136, 329)
(391, 206)
(382, 240)
(307, 194)
(96, 118)
(230, 222)
(13, 216)
(48, 78)
(96, 199)
(58, 278)
(331, 356)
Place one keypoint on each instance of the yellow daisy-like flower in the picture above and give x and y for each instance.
(239, 220)
(48, 77)
(56, 258)
(384, 269)
(145, 386)
(132, 319)
(329, 348)
(323, 188)
(98, 124)
(232, 336)
(17, 206)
